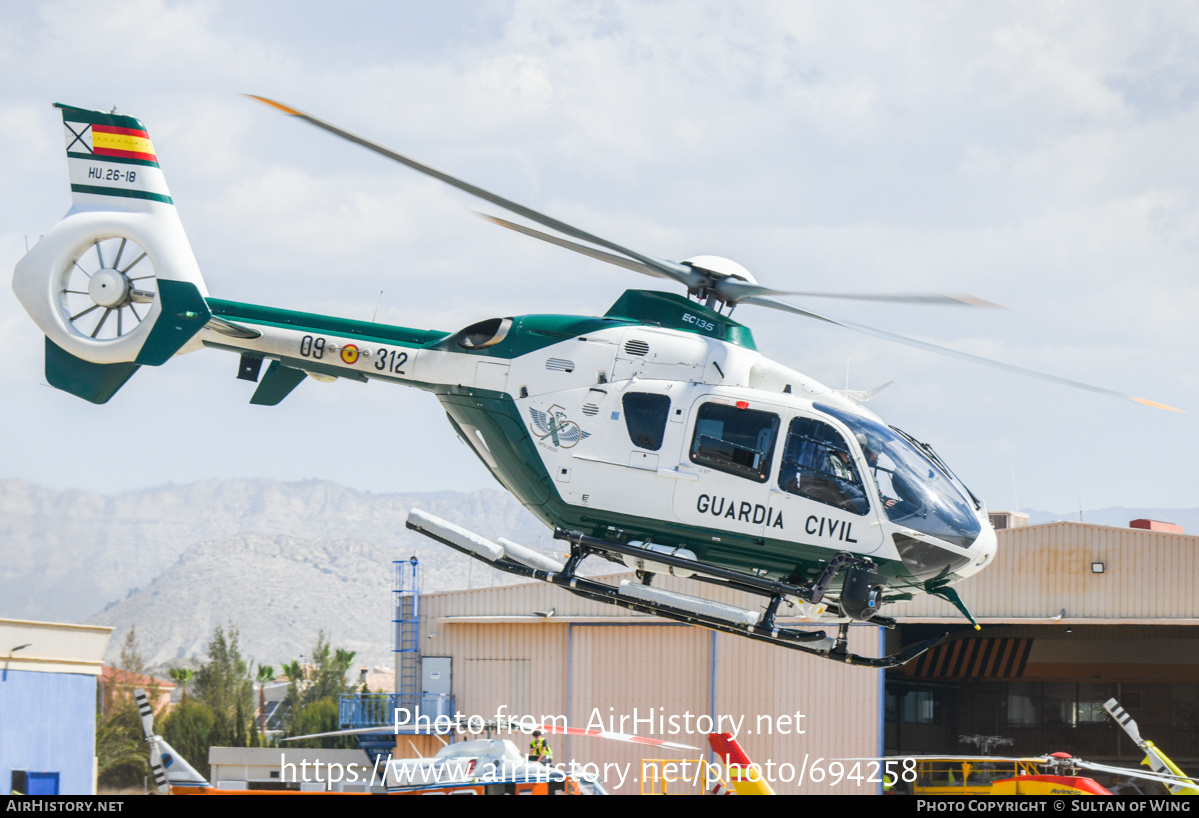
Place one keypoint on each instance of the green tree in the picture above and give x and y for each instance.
(122, 755)
(296, 684)
(320, 716)
(225, 686)
(131, 656)
(265, 674)
(314, 694)
(182, 677)
(329, 670)
(188, 727)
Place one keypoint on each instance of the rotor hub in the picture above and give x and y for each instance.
(108, 287)
(720, 267)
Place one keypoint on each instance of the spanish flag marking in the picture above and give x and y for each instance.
(108, 140)
(349, 353)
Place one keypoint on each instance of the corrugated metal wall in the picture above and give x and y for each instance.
(592, 660)
(614, 664)
(53, 647)
(1039, 570)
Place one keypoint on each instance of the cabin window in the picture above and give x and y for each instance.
(734, 440)
(818, 465)
(645, 415)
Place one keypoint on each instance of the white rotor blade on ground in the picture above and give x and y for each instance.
(353, 731)
(776, 304)
(513, 727)
(626, 737)
(147, 716)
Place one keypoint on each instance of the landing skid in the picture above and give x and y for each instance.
(644, 598)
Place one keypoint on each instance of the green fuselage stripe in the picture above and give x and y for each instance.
(120, 192)
(311, 322)
(72, 114)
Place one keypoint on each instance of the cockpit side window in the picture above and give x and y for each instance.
(818, 464)
(734, 440)
(645, 416)
(912, 489)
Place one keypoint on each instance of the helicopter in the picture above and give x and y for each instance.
(655, 436)
(475, 766)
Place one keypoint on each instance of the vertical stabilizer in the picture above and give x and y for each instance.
(114, 285)
(168, 767)
(746, 777)
(1155, 759)
(112, 162)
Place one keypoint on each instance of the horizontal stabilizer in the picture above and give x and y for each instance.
(276, 384)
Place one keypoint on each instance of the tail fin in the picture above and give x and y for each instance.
(168, 767)
(110, 156)
(745, 776)
(1155, 759)
(114, 285)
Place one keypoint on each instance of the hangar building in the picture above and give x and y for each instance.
(48, 706)
(1072, 614)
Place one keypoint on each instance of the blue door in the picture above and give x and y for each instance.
(42, 783)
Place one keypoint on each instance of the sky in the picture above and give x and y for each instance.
(1038, 155)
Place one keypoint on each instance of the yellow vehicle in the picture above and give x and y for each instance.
(957, 775)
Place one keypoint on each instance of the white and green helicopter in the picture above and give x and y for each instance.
(655, 435)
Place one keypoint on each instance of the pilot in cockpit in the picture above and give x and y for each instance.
(907, 500)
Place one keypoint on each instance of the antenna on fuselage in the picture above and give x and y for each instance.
(377, 300)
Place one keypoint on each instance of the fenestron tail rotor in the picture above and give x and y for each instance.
(107, 290)
(716, 281)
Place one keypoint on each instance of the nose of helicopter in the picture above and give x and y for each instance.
(983, 550)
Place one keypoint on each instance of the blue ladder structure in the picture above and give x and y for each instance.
(407, 632)
(358, 710)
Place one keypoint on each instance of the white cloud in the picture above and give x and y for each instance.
(1040, 155)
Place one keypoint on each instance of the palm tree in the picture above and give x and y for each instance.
(182, 677)
(266, 673)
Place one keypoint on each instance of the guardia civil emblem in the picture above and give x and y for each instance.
(556, 426)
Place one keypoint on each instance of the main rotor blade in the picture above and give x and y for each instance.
(619, 261)
(738, 291)
(1161, 778)
(669, 269)
(776, 304)
(734, 290)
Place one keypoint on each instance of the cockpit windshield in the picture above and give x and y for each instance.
(913, 490)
